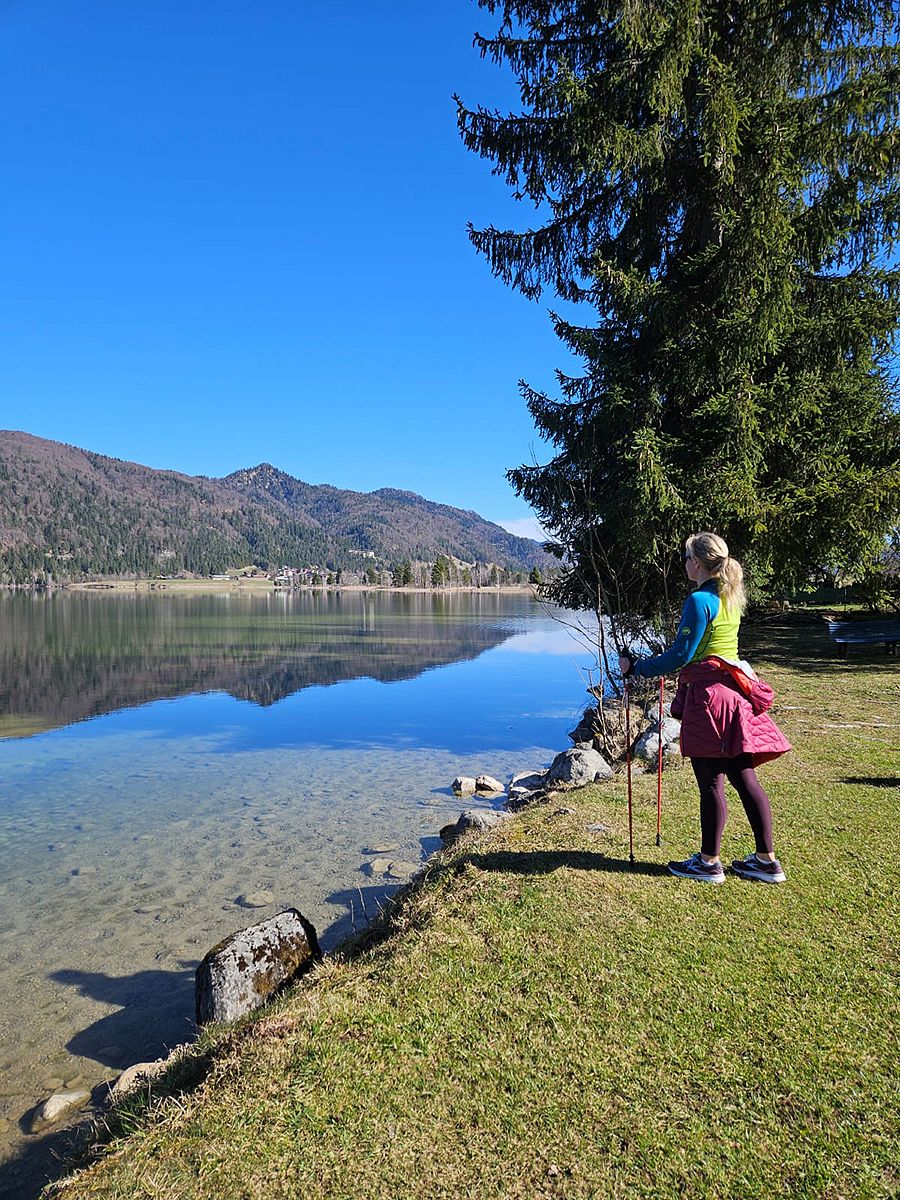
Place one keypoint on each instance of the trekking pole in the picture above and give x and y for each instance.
(662, 693)
(628, 768)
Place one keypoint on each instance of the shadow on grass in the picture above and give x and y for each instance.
(808, 648)
(540, 862)
(882, 781)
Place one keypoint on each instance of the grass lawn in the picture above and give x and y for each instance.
(541, 1020)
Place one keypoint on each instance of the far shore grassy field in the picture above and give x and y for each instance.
(536, 1018)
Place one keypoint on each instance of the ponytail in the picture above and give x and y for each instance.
(712, 551)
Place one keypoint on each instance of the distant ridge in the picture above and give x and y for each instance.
(68, 511)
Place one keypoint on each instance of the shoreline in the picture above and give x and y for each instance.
(257, 585)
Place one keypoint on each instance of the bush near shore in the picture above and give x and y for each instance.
(537, 1019)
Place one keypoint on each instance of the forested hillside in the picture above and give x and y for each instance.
(66, 512)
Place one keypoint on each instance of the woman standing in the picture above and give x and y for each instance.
(725, 731)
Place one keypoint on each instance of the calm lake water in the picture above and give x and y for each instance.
(164, 755)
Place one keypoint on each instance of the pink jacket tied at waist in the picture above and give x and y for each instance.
(722, 708)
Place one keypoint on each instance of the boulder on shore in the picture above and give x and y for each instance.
(473, 820)
(487, 783)
(527, 781)
(576, 768)
(523, 786)
(647, 745)
(248, 968)
(143, 1073)
(586, 728)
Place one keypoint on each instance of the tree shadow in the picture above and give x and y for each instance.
(810, 649)
(363, 908)
(542, 862)
(45, 1157)
(155, 1013)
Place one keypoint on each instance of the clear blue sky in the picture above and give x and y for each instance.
(235, 232)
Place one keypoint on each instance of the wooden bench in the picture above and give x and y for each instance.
(865, 633)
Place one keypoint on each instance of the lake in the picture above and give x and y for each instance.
(164, 755)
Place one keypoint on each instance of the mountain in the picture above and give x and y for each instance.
(67, 511)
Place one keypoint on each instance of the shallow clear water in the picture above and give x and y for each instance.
(164, 755)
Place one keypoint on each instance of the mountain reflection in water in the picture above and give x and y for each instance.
(69, 656)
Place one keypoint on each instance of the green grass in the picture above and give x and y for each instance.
(540, 1020)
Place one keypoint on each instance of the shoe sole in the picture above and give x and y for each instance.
(699, 878)
(756, 877)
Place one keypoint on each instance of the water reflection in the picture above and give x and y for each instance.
(66, 657)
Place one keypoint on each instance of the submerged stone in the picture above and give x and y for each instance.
(378, 866)
(255, 900)
(464, 785)
(402, 870)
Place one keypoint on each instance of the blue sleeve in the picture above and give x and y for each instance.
(699, 609)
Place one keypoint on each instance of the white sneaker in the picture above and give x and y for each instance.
(753, 867)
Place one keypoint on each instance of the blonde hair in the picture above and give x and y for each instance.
(711, 552)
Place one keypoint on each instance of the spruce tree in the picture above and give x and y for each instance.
(719, 185)
(440, 572)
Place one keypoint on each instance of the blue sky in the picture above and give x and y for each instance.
(236, 232)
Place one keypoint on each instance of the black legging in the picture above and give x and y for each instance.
(711, 773)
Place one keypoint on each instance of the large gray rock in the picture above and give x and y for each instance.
(249, 967)
(473, 820)
(479, 819)
(671, 729)
(57, 1108)
(647, 745)
(575, 768)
